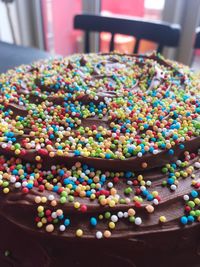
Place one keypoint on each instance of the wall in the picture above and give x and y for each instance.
(5, 31)
(60, 37)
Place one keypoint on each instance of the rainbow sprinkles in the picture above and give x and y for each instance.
(95, 142)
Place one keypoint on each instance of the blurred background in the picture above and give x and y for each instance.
(48, 24)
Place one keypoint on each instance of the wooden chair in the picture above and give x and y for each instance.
(162, 33)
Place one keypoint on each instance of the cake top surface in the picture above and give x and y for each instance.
(100, 145)
(104, 107)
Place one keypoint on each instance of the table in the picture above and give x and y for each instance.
(14, 55)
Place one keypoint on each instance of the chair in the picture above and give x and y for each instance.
(162, 33)
(197, 39)
(195, 58)
(12, 55)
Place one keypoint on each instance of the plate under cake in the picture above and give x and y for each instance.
(100, 162)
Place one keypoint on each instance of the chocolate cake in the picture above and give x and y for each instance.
(100, 163)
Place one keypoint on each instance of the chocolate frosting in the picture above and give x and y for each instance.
(113, 81)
